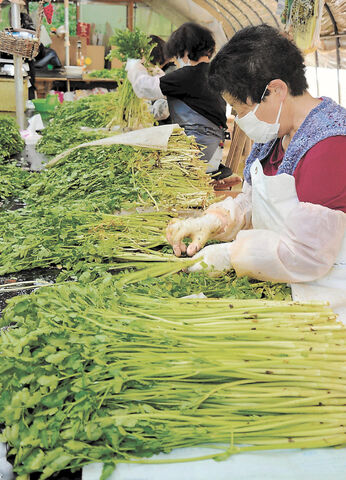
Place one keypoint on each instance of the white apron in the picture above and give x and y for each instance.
(273, 197)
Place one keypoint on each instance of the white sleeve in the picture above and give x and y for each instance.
(304, 251)
(235, 214)
(143, 84)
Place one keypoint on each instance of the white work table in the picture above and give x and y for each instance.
(314, 464)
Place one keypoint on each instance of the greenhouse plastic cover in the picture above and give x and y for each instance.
(225, 17)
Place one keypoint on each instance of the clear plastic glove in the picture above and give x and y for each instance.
(199, 230)
(222, 221)
(215, 259)
(132, 63)
(160, 109)
(303, 251)
(235, 214)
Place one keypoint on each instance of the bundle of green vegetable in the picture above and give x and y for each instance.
(229, 285)
(10, 140)
(133, 112)
(92, 374)
(13, 180)
(79, 241)
(96, 177)
(94, 111)
(71, 121)
(108, 178)
(130, 44)
(57, 139)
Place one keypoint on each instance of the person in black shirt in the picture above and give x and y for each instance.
(159, 57)
(192, 104)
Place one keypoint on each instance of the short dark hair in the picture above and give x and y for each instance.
(192, 38)
(254, 57)
(158, 53)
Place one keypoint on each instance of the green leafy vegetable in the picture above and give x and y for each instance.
(10, 140)
(80, 241)
(94, 111)
(57, 139)
(108, 178)
(13, 181)
(97, 373)
(105, 73)
(130, 44)
(133, 112)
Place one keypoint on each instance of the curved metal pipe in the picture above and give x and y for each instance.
(236, 6)
(227, 20)
(271, 13)
(332, 18)
(228, 13)
(253, 10)
(246, 3)
(337, 44)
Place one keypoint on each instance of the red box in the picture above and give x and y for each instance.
(83, 30)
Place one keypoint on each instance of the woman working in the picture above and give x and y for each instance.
(289, 223)
(192, 104)
(159, 108)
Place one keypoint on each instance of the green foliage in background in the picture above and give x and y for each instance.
(59, 16)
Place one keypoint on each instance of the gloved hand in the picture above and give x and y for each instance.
(214, 258)
(222, 221)
(159, 109)
(131, 63)
(199, 230)
(143, 84)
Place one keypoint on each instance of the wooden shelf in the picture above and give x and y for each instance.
(44, 83)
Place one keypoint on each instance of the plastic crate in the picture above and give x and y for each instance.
(46, 105)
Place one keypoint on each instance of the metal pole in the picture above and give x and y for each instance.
(316, 74)
(67, 39)
(337, 42)
(18, 70)
(67, 34)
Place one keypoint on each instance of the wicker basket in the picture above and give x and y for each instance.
(25, 47)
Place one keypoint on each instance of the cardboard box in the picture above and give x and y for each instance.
(8, 94)
(96, 55)
(115, 63)
(58, 44)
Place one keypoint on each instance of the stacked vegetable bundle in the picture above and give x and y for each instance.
(10, 139)
(65, 223)
(112, 177)
(169, 284)
(80, 241)
(114, 377)
(13, 179)
(68, 126)
(121, 108)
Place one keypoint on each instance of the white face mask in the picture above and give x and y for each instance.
(256, 129)
(181, 62)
